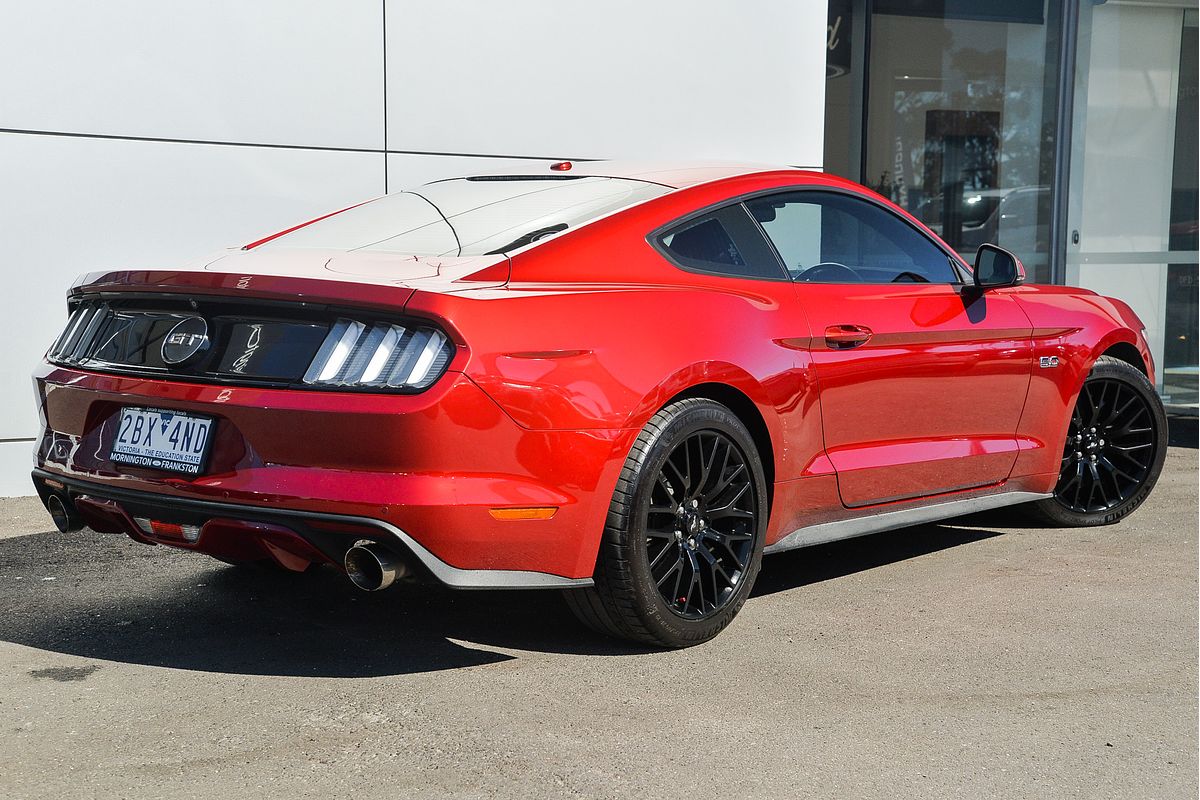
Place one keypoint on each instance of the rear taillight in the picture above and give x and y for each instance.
(83, 324)
(380, 354)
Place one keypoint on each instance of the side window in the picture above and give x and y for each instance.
(725, 242)
(824, 237)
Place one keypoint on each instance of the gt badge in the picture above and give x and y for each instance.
(188, 338)
(1046, 362)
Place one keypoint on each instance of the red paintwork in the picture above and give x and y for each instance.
(560, 367)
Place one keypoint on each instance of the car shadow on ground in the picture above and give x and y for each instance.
(795, 568)
(104, 597)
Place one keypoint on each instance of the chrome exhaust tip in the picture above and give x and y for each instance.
(64, 515)
(371, 566)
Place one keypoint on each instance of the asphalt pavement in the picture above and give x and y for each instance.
(982, 658)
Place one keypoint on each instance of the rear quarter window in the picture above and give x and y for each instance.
(721, 242)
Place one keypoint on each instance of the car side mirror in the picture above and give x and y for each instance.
(995, 268)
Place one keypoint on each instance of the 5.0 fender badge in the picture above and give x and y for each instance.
(1046, 362)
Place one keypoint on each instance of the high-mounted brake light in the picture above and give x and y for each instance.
(561, 166)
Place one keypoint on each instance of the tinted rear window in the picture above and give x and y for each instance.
(471, 217)
(724, 242)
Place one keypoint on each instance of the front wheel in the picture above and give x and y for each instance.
(1115, 449)
(684, 535)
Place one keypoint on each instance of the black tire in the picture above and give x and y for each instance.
(1115, 449)
(645, 543)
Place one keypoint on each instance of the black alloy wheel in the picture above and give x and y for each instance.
(1115, 448)
(700, 524)
(683, 541)
(1110, 447)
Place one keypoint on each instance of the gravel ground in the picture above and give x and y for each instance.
(978, 658)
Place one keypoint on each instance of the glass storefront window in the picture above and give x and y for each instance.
(1133, 198)
(961, 111)
(844, 86)
(1181, 355)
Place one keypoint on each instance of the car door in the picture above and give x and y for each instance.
(922, 379)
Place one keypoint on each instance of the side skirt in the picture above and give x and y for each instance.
(902, 518)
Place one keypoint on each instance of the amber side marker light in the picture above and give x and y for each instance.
(541, 512)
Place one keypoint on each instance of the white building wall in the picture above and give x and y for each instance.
(143, 133)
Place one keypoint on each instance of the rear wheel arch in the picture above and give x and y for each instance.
(748, 412)
(629, 599)
(741, 404)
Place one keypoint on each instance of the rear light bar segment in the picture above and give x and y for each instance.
(380, 354)
(74, 345)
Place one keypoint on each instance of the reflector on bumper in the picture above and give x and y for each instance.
(155, 527)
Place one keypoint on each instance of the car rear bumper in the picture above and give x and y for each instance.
(430, 474)
(291, 538)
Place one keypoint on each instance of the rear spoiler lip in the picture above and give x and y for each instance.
(361, 291)
(232, 285)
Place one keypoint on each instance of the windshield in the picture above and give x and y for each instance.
(471, 216)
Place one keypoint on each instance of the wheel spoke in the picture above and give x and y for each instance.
(715, 570)
(1098, 404)
(1127, 427)
(687, 601)
(1116, 415)
(1098, 480)
(678, 475)
(1111, 473)
(690, 487)
(725, 542)
(1127, 448)
(1115, 470)
(726, 507)
(1074, 479)
(707, 463)
(669, 489)
(675, 569)
(1129, 458)
(1090, 415)
(658, 559)
(728, 450)
(727, 480)
(1078, 483)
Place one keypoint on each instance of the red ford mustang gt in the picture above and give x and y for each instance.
(628, 383)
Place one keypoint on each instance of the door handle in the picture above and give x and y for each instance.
(843, 337)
